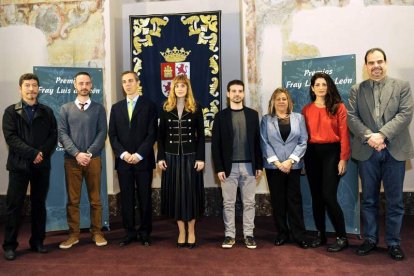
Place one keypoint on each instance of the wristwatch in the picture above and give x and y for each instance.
(292, 161)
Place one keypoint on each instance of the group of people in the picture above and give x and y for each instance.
(380, 111)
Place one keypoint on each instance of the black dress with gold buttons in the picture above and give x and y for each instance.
(181, 142)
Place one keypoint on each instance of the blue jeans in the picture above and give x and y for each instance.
(382, 166)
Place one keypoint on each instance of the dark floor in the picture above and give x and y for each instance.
(162, 258)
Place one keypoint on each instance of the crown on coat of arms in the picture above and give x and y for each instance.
(175, 55)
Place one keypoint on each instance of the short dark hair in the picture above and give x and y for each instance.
(130, 72)
(370, 51)
(82, 73)
(234, 82)
(28, 76)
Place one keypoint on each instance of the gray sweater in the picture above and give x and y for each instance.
(82, 131)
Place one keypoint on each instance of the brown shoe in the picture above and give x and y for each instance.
(99, 240)
(69, 242)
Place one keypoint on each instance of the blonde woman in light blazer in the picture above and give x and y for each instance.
(284, 141)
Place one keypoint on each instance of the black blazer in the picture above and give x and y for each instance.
(222, 140)
(187, 132)
(136, 137)
(26, 139)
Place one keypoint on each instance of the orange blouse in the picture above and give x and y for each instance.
(323, 128)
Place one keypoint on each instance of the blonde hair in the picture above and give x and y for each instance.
(171, 102)
(272, 109)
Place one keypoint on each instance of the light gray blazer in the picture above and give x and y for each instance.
(397, 111)
(273, 146)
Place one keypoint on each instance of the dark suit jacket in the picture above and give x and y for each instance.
(136, 137)
(222, 140)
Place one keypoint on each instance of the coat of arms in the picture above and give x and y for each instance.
(175, 65)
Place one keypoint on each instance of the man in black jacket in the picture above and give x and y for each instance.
(30, 131)
(132, 132)
(238, 161)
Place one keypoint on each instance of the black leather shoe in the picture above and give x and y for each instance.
(192, 245)
(146, 241)
(303, 244)
(319, 241)
(127, 240)
(181, 244)
(396, 252)
(366, 248)
(40, 248)
(340, 244)
(10, 254)
(280, 241)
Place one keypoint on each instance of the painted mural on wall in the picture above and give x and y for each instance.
(60, 21)
(261, 13)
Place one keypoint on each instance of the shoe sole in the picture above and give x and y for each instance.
(101, 243)
(227, 246)
(251, 246)
(68, 246)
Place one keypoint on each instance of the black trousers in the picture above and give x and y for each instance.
(16, 194)
(286, 199)
(136, 185)
(321, 163)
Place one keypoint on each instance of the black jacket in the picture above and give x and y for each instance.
(187, 131)
(137, 136)
(26, 139)
(222, 140)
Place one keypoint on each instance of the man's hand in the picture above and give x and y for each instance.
(162, 165)
(39, 158)
(83, 158)
(199, 165)
(258, 174)
(221, 176)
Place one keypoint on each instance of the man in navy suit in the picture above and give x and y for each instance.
(238, 161)
(132, 133)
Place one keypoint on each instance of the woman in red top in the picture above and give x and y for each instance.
(326, 156)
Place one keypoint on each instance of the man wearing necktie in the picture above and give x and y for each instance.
(82, 132)
(132, 133)
(30, 132)
(381, 110)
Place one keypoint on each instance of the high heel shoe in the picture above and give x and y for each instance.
(181, 244)
(192, 245)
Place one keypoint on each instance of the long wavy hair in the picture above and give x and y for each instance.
(171, 102)
(332, 98)
(272, 109)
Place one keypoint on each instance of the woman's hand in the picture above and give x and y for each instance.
(342, 167)
(199, 165)
(162, 165)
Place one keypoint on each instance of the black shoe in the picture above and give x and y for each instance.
(396, 252)
(319, 241)
(181, 244)
(10, 254)
(303, 244)
(366, 248)
(40, 248)
(127, 240)
(146, 241)
(340, 244)
(192, 245)
(280, 241)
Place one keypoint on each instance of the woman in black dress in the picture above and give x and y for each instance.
(181, 155)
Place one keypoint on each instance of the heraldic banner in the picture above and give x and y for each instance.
(167, 45)
(56, 88)
(296, 78)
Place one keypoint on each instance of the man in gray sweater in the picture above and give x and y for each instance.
(82, 132)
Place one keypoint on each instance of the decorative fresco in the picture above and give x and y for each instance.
(60, 21)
